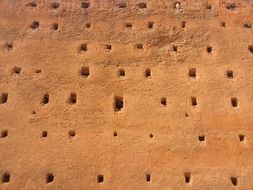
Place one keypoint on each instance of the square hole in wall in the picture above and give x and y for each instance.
(148, 73)
(6, 177)
(118, 103)
(234, 102)
(121, 73)
(72, 98)
(148, 177)
(192, 72)
(241, 137)
(83, 48)
(194, 101)
(100, 178)
(150, 25)
(230, 74)
(129, 25)
(4, 133)
(45, 99)
(234, 181)
(202, 138)
(85, 5)
(4, 98)
(85, 71)
(108, 47)
(139, 46)
(50, 178)
(122, 5)
(142, 5)
(44, 134)
(187, 177)
(163, 101)
(16, 70)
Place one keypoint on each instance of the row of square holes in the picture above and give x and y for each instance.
(72, 133)
(84, 47)
(118, 101)
(108, 47)
(85, 72)
(100, 178)
(36, 24)
(141, 5)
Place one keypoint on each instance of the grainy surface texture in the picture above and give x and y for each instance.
(126, 95)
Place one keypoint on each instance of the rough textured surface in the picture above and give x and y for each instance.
(186, 94)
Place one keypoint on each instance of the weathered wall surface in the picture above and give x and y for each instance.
(130, 95)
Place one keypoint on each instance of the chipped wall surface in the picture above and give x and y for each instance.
(131, 94)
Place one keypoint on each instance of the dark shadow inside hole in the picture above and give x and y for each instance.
(234, 102)
(44, 134)
(38, 71)
(142, 5)
(121, 72)
(209, 49)
(55, 5)
(4, 133)
(49, 178)
(194, 101)
(88, 25)
(118, 103)
(230, 74)
(247, 25)
(202, 138)
(54, 26)
(129, 25)
(6, 177)
(241, 137)
(35, 25)
(187, 177)
(183, 24)
(192, 72)
(148, 72)
(231, 6)
(122, 5)
(4, 98)
(223, 24)
(150, 25)
(234, 181)
(174, 48)
(8, 46)
(31, 4)
(139, 46)
(45, 99)
(85, 5)
(108, 47)
(209, 7)
(250, 48)
(83, 48)
(16, 70)
(115, 134)
(85, 71)
(100, 178)
(151, 135)
(148, 177)
(72, 133)
(72, 98)
(164, 101)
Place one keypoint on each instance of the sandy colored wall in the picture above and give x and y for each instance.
(130, 95)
